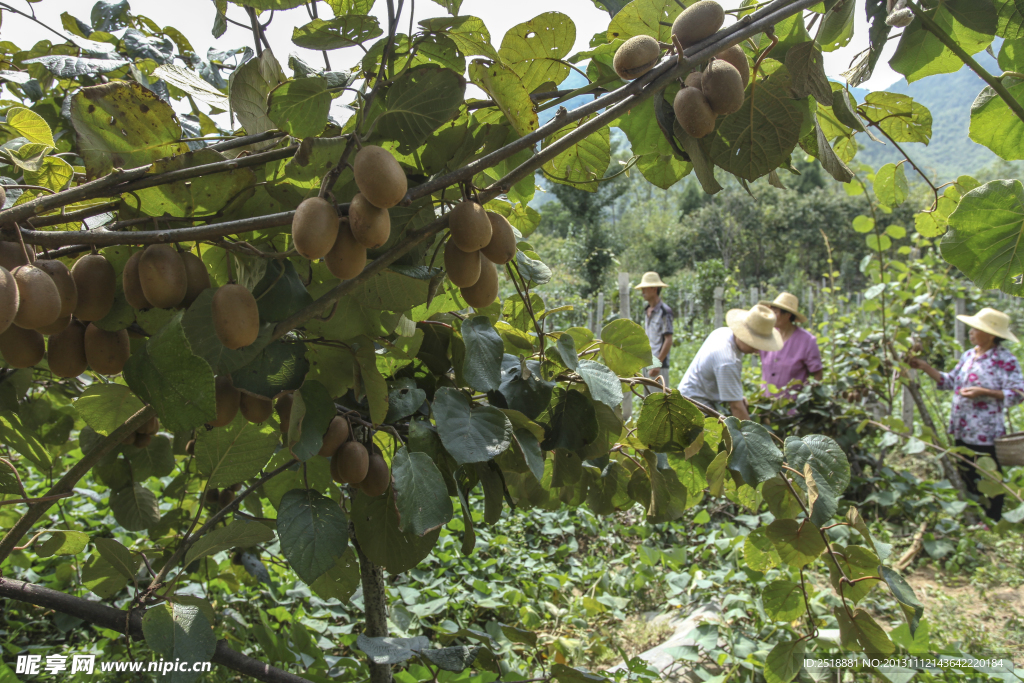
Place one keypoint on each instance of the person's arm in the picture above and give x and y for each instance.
(666, 346)
(943, 379)
(739, 409)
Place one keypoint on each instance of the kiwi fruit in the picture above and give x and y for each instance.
(12, 255)
(66, 288)
(255, 409)
(370, 225)
(693, 80)
(150, 426)
(162, 276)
(284, 411)
(470, 228)
(196, 277)
(97, 283)
(9, 299)
(190, 447)
(379, 176)
(130, 439)
(22, 348)
(226, 497)
(697, 22)
(212, 497)
(337, 433)
(347, 257)
(107, 352)
(502, 247)
(228, 399)
(314, 227)
(236, 317)
(483, 293)
(349, 463)
(39, 299)
(693, 112)
(635, 57)
(132, 286)
(463, 268)
(377, 478)
(738, 58)
(3, 196)
(56, 327)
(65, 352)
(143, 440)
(723, 87)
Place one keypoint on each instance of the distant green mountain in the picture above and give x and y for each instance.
(949, 98)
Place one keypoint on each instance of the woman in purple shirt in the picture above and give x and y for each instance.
(799, 357)
(985, 382)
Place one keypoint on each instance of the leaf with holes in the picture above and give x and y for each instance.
(509, 91)
(584, 162)
(985, 234)
(342, 31)
(535, 49)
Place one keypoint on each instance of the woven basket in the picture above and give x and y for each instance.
(1010, 450)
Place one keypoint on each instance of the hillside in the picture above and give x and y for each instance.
(949, 98)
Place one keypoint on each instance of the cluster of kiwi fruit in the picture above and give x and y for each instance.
(478, 243)
(44, 298)
(318, 232)
(351, 462)
(716, 91)
(141, 437)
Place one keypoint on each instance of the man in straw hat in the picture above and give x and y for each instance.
(715, 375)
(985, 382)
(799, 357)
(657, 324)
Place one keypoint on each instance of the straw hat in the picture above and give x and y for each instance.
(990, 320)
(650, 279)
(755, 327)
(787, 302)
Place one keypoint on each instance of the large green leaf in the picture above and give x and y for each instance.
(645, 17)
(135, 507)
(761, 135)
(856, 562)
(668, 495)
(985, 233)
(830, 468)
(759, 551)
(418, 103)
(668, 422)
(604, 384)
(300, 107)
(105, 407)
(784, 661)
(583, 163)
(313, 531)
(341, 580)
(468, 33)
(863, 631)
(249, 87)
(30, 126)
(798, 543)
(196, 196)
(155, 460)
(509, 92)
(484, 349)
(572, 422)
(202, 337)
(994, 125)
(903, 119)
(971, 23)
(312, 412)
(535, 49)
(175, 381)
(806, 67)
(281, 366)
(754, 455)
(233, 453)
(280, 293)
(470, 434)
(625, 347)
(342, 31)
(180, 633)
(144, 127)
(783, 600)
(62, 542)
(377, 529)
(663, 170)
(420, 493)
(890, 185)
(20, 439)
(904, 594)
(238, 534)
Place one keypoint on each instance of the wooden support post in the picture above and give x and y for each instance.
(959, 330)
(627, 400)
(907, 413)
(719, 315)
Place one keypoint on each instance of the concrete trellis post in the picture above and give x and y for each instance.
(599, 318)
(959, 330)
(755, 296)
(719, 315)
(907, 414)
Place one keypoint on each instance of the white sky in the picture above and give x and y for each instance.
(194, 18)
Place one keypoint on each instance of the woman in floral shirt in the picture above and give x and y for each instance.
(986, 381)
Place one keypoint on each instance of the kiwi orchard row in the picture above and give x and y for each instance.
(716, 91)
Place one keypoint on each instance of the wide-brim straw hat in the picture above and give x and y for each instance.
(992, 321)
(755, 327)
(787, 302)
(650, 279)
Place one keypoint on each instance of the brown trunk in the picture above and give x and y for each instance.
(374, 606)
